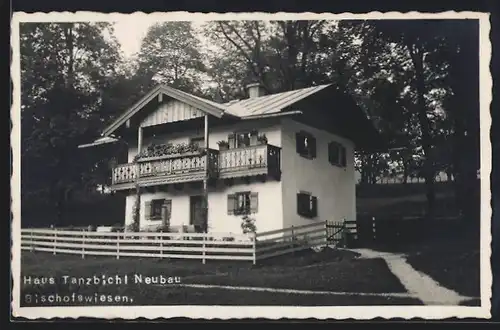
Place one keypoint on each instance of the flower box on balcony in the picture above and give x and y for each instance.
(178, 155)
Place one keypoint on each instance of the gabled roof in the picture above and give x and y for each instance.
(251, 108)
(207, 106)
(268, 104)
(263, 105)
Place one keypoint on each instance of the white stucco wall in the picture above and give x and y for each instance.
(333, 186)
(269, 215)
(270, 211)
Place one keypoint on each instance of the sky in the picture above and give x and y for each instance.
(130, 32)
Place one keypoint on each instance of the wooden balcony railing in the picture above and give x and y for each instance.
(254, 160)
(170, 168)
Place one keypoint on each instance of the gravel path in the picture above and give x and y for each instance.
(416, 283)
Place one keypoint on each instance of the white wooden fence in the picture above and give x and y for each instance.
(215, 246)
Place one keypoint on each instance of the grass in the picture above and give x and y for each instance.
(453, 263)
(329, 270)
(453, 260)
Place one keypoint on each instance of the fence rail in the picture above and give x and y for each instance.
(249, 247)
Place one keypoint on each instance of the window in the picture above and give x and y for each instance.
(337, 154)
(307, 205)
(242, 203)
(158, 209)
(242, 139)
(305, 144)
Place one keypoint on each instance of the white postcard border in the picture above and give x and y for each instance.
(271, 312)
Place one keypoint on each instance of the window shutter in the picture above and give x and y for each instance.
(312, 141)
(299, 143)
(231, 202)
(314, 210)
(301, 203)
(254, 202)
(330, 151)
(343, 160)
(147, 210)
(166, 211)
(231, 141)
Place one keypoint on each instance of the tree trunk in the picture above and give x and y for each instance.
(417, 60)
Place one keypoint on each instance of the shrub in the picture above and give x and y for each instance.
(248, 224)
(134, 226)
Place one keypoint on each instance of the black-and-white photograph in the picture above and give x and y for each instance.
(201, 162)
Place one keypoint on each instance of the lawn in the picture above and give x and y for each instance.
(329, 270)
(452, 260)
(453, 263)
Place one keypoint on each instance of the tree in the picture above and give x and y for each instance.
(281, 55)
(438, 51)
(64, 68)
(170, 54)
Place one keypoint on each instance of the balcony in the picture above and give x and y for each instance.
(249, 161)
(178, 168)
(189, 167)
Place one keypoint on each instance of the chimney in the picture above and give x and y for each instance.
(255, 90)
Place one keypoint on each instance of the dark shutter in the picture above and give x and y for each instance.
(312, 146)
(147, 210)
(314, 210)
(299, 143)
(343, 160)
(302, 204)
(299, 203)
(254, 202)
(166, 211)
(231, 202)
(330, 147)
(231, 140)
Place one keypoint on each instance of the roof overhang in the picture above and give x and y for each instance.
(206, 106)
(272, 115)
(100, 141)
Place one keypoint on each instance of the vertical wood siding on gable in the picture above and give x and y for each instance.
(170, 112)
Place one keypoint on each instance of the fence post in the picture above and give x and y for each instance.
(203, 247)
(293, 240)
(254, 243)
(326, 233)
(118, 246)
(32, 247)
(344, 232)
(161, 244)
(83, 244)
(55, 240)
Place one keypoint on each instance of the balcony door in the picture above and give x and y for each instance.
(196, 217)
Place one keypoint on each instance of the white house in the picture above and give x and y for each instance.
(285, 159)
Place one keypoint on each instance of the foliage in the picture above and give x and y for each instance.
(132, 227)
(248, 224)
(223, 144)
(262, 138)
(136, 210)
(64, 69)
(158, 150)
(170, 54)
